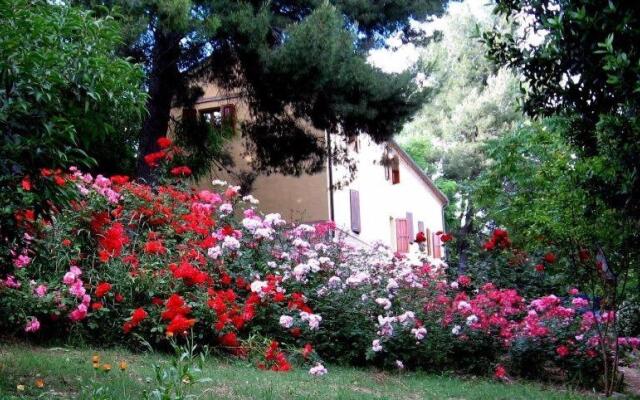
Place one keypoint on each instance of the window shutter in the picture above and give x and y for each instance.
(189, 114)
(355, 210)
(410, 231)
(229, 113)
(429, 241)
(395, 176)
(436, 246)
(402, 236)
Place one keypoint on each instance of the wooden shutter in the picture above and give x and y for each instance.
(402, 235)
(437, 253)
(355, 210)
(395, 176)
(410, 231)
(228, 113)
(189, 114)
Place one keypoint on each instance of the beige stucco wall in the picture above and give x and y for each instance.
(300, 199)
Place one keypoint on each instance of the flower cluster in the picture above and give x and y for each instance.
(163, 261)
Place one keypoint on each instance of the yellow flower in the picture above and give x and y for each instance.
(123, 365)
(106, 367)
(186, 380)
(95, 359)
(96, 365)
(40, 383)
(169, 334)
(20, 388)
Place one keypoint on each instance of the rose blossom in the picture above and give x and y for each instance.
(318, 370)
(286, 321)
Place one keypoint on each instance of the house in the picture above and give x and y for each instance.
(388, 199)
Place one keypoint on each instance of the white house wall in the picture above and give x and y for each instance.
(381, 202)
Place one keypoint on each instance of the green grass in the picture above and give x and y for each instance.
(68, 373)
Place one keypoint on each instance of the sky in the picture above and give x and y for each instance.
(398, 57)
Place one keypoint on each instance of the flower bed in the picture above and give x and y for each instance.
(131, 263)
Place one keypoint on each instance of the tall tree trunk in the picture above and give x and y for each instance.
(462, 239)
(163, 83)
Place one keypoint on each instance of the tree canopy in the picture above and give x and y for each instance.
(292, 60)
(471, 101)
(67, 99)
(581, 60)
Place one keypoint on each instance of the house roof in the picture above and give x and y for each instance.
(412, 164)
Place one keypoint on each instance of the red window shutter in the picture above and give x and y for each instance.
(402, 235)
(189, 114)
(355, 210)
(395, 176)
(229, 113)
(410, 231)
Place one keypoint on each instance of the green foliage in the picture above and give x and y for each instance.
(535, 187)
(471, 102)
(66, 100)
(584, 67)
(291, 60)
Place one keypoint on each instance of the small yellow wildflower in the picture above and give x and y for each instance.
(20, 388)
(40, 383)
(95, 359)
(123, 365)
(106, 367)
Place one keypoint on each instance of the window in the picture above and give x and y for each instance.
(395, 171)
(212, 116)
(421, 226)
(402, 235)
(354, 198)
(219, 116)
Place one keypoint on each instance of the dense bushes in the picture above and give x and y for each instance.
(66, 99)
(130, 263)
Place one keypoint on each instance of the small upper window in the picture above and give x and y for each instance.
(212, 116)
(395, 171)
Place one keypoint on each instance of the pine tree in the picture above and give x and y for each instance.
(291, 59)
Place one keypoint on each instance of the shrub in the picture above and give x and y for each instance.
(66, 100)
(132, 263)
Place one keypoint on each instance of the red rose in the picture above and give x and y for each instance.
(119, 298)
(500, 372)
(562, 351)
(420, 237)
(26, 183)
(119, 179)
(539, 267)
(181, 171)
(164, 142)
(96, 306)
(180, 325)
(102, 289)
(550, 257)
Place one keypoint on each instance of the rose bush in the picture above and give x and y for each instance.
(130, 263)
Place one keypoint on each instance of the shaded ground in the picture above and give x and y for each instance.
(68, 374)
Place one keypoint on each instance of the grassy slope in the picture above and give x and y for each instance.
(66, 371)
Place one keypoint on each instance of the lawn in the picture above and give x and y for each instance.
(68, 373)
